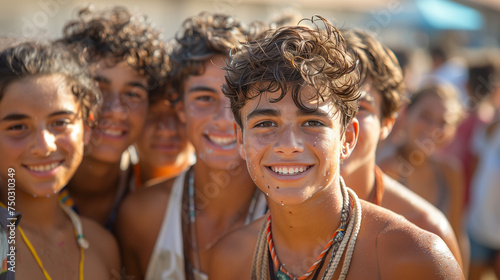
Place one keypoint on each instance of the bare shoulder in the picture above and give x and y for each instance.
(144, 205)
(414, 208)
(403, 250)
(103, 253)
(391, 166)
(232, 255)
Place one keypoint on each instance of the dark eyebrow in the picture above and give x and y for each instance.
(202, 88)
(102, 79)
(15, 117)
(18, 117)
(137, 84)
(62, 113)
(317, 113)
(263, 112)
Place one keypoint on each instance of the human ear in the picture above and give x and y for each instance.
(386, 126)
(349, 139)
(239, 141)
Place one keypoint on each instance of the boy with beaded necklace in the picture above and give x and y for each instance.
(294, 96)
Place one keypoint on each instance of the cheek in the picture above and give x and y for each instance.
(137, 116)
(72, 144)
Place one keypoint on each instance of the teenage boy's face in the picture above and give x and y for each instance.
(210, 123)
(42, 134)
(123, 111)
(290, 153)
(163, 140)
(372, 128)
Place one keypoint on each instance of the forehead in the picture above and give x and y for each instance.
(38, 94)
(307, 96)
(212, 74)
(116, 71)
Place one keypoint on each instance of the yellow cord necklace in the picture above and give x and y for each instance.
(82, 242)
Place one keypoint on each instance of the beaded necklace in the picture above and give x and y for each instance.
(82, 242)
(336, 238)
(261, 269)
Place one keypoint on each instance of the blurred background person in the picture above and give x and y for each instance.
(483, 148)
(129, 61)
(430, 122)
(163, 149)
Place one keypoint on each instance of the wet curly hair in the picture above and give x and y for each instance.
(117, 35)
(203, 36)
(29, 59)
(289, 59)
(379, 65)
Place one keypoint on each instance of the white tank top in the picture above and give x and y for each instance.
(167, 259)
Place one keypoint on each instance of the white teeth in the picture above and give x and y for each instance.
(289, 170)
(43, 168)
(112, 132)
(222, 141)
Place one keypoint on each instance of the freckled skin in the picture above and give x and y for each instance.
(387, 246)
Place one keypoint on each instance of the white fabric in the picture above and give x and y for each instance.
(167, 259)
(484, 212)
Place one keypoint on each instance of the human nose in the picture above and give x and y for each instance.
(113, 106)
(167, 125)
(289, 141)
(223, 115)
(44, 143)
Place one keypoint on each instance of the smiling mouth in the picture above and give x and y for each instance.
(43, 167)
(289, 170)
(223, 141)
(113, 132)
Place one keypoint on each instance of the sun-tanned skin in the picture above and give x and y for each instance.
(283, 124)
(129, 61)
(376, 116)
(210, 128)
(44, 126)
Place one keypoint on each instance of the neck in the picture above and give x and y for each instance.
(94, 178)
(149, 173)
(303, 230)
(362, 180)
(38, 213)
(414, 156)
(222, 192)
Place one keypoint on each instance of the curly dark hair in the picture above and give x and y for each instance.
(378, 64)
(36, 59)
(117, 35)
(291, 58)
(203, 36)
